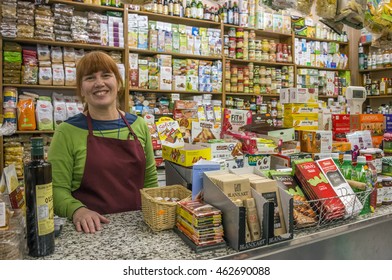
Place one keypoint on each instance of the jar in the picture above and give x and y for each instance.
(232, 32)
(258, 56)
(274, 112)
(257, 44)
(232, 42)
(272, 46)
(234, 79)
(252, 54)
(380, 192)
(240, 73)
(240, 33)
(252, 34)
(239, 53)
(263, 108)
(274, 102)
(232, 52)
(234, 70)
(387, 186)
(226, 40)
(234, 88)
(240, 87)
(229, 101)
(265, 46)
(240, 43)
(251, 44)
(227, 86)
(226, 51)
(264, 56)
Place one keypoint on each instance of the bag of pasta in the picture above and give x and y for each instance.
(26, 115)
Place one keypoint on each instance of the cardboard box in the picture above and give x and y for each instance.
(280, 161)
(187, 155)
(234, 217)
(318, 141)
(220, 149)
(340, 126)
(261, 161)
(299, 108)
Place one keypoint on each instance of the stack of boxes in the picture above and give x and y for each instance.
(116, 31)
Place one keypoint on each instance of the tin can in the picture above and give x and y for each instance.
(232, 32)
(240, 33)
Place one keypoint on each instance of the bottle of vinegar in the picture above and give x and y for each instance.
(39, 202)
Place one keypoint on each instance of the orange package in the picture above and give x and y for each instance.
(26, 115)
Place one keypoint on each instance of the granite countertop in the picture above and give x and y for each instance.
(126, 237)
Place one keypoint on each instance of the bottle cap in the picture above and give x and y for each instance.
(347, 157)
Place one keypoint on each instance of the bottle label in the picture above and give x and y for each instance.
(45, 215)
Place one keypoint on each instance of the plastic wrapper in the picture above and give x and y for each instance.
(11, 66)
(374, 20)
(43, 10)
(62, 27)
(326, 8)
(43, 52)
(283, 4)
(29, 74)
(45, 76)
(63, 9)
(305, 6)
(56, 55)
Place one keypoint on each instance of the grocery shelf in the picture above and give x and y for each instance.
(62, 44)
(87, 7)
(328, 96)
(265, 63)
(39, 86)
(180, 55)
(379, 96)
(321, 68)
(260, 32)
(321, 40)
(172, 91)
(177, 20)
(251, 94)
(376, 70)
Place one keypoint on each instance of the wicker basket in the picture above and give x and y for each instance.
(160, 215)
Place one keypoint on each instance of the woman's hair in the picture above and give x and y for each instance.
(93, 62)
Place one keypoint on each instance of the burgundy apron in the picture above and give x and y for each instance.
(113, 173)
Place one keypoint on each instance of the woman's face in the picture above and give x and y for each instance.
(100, 89)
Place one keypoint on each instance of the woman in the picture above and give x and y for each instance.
(103, 157)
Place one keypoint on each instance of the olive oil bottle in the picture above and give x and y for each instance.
(39, 202)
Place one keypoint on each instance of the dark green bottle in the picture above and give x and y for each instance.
(39, 202)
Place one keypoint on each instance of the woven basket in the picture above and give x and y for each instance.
(161, 215)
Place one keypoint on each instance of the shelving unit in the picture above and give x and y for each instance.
(80, 7)
(375, 74)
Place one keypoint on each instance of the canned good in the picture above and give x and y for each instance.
(240, 33)
(257, 55)
(232, 32)
(239, 53)
(226, 40)
(387, 186)
(240, 43)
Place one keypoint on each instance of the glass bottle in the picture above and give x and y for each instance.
(160, 7)
(200, 10)
(230, 14)
(155, 6)
(374, 60)
(188, 9)
(236, 14)
(171, 7)
(176, 8)
(165, 7)
(379, 59)
(382, 86)
(193, 9)
(386, 58)
(39, 202)
(224, 13)
(372, 179)
(361, 57)
(207, 14)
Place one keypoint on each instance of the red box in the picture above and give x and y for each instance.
(340, 126)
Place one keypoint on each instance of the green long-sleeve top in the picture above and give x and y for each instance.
(67, 154)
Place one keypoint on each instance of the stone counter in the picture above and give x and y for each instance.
(126, 237)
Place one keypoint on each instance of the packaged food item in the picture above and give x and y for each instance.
(44, 113)
(26, 115)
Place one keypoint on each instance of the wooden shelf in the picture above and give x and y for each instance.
(39, 86)
(376, 70)
(328, 96)
(321, 40)
(379, 96)
(62, 44)
(172, 91)
(87, 7)
(251, 94)
(180, 55)
(266, 63)
(260, 32)
(321, 68)
(34, 132)
(177, 20)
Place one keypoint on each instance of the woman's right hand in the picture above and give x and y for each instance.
(88, 221)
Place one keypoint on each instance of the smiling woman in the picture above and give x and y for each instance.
(102, 157)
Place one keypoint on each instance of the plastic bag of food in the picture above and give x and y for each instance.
(44, 113)
(326, 8)
(26, 115)
(305, 6)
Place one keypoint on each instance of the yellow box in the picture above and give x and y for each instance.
(301, 120)
(187, 155)
(296, 108)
